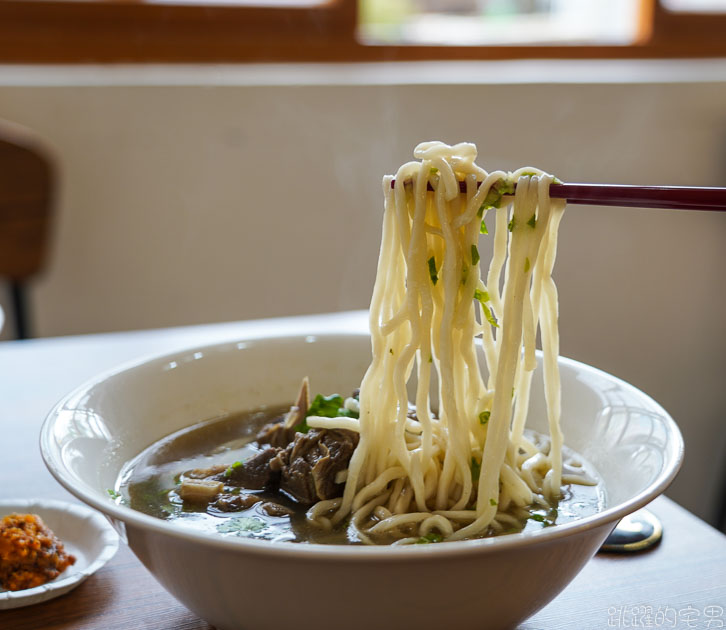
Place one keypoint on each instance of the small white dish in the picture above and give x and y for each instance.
(85, 533)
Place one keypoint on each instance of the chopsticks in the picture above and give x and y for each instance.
(669, 197)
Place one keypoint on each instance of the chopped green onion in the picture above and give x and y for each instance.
(484, 417)
(527, 265)
(475, 469)
(431, 537)
(483, 228)
(489, 316)
(481, 296)
(474, 255)
(492, 200)
(548, 520)
(494, 197)
(512, 224)
(113, 494)
(505, 186)
(434, 170)
(230, 470)
(493, 502)
(325, 406)
(432, 270)
(532, 221)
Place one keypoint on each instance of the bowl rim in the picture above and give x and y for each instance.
(358, 553)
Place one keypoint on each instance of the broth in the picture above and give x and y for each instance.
(150, 484)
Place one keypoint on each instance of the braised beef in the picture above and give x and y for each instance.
(235, 502)
(275, 509)
(276, 434)
(254, 473)
(304, 465)
(203, 473)
(282, 431)
(309, 465)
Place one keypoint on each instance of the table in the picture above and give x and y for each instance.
(679, 584)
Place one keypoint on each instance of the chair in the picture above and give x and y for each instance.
(27, 178)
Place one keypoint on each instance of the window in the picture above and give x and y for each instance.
(58, 31)
(498, 22)
(695, 6)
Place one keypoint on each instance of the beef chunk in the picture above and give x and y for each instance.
(276, 434)
(254, 473)
(282, 431)
(304, 465)
(203, 473)
(309, 465)
(275, 509)
(235, 502)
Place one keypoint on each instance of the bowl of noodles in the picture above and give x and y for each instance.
(434, 469)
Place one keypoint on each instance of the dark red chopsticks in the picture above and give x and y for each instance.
(673, 197)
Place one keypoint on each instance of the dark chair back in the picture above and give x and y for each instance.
(26, 199)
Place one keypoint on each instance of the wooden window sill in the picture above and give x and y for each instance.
(117, 31)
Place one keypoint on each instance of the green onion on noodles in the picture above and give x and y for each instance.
(462, 467)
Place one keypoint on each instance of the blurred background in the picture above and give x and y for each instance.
(222, 160)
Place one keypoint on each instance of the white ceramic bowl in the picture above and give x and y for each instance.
(242, 583)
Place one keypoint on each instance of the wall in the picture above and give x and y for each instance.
(194, 195)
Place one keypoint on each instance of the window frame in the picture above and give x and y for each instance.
(134, 31)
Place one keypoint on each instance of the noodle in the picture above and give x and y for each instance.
(454, 473)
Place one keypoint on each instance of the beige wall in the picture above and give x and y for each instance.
(196, 195)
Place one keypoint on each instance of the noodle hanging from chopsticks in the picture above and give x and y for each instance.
(457, 471)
